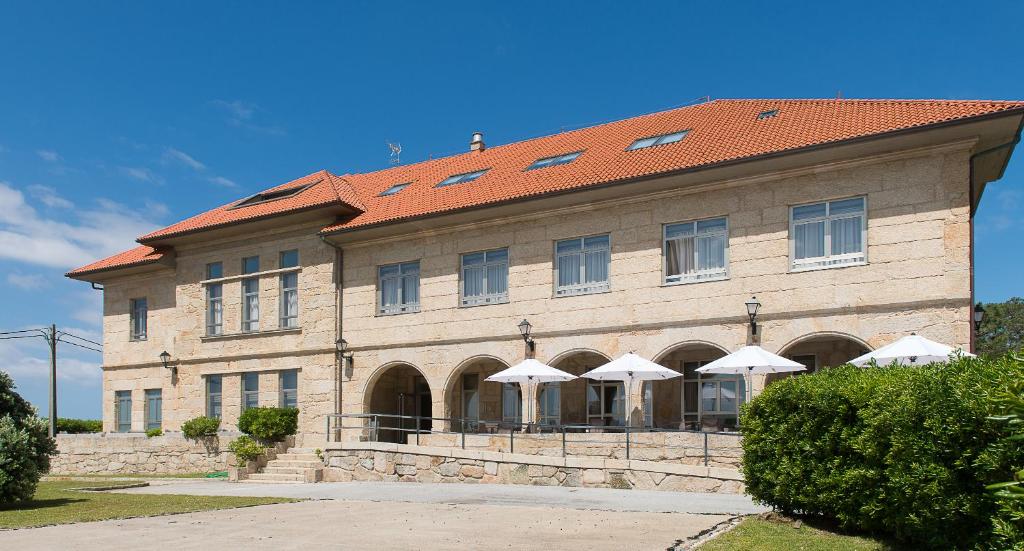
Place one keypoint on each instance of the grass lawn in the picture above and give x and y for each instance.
(764, 535)
(57, 502)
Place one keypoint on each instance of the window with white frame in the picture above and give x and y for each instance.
(251, 294)
(289, 300)
(214, 299)
(485, 277)
(696, 251)
(139, 311)
(581, 265)
(831, 233)
(398, 288)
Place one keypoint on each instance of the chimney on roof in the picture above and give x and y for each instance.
(477, 143)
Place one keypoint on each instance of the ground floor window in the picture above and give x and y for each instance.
(550, 399)
(511, 403)
(471, 400)
(710, 401)
(289, 381)
(123, 410)
(213, 394)
(606, 403)
(250, 390)
(154, 409)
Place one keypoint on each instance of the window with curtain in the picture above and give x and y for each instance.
(831, 233)
(398, 288)
(250, 390)
(139, 311)
(289, 300)
(511, 403)
(214, 299)
(250, 294)
(289, 388)
(550, 398)
(123, 410)
(696, 251)
(485, 277)
(213, 394)
(582, 265)
(154, 408)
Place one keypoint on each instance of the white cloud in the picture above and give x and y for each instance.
(176, 155)
(242, 114)
(29, 359)
(1001, 212)
(222, 181)
(88, 310)
(140, 174)
(68, 241)
(48, 155)
(48, 196)
(28, 282)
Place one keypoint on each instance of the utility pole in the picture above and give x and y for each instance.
(53, 380)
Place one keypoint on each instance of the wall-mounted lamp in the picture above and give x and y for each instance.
(524, 330)
(346, 356)
(979, 316)
(752, 307)
(166, 359)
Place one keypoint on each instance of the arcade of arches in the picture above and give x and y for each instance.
(693, 401)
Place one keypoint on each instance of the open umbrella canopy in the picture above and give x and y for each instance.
(630, 367)
(751, 359)
(530, 371)
(910, 350)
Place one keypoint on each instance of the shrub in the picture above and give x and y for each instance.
(154, 432)
(1008, 524)
(200, 427)
(269, 424)
(79, 426)
(904, 451)
(245, 449)
(25, 447)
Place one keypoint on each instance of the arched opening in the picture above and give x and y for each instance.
(820, 350)
(477, 405)
(694, 401)
(398, 394)
(581, 401)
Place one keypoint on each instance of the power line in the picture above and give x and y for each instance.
(82, 346)
(21, 331)
(63, 334)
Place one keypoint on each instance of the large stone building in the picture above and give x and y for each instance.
(850, 220)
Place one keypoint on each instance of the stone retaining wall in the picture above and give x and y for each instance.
(114, 453)
(409, 463)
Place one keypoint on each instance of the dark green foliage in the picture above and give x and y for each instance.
(1002, 329)
(25, 447)
(245, 449)
(154, 432)
(905, 452)
(200, 427)
(1009, 522)
(269, 424)
(78, 426)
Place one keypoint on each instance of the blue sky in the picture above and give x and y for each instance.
(116, 118)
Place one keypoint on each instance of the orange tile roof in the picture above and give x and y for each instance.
(719, 131)
(135, 257)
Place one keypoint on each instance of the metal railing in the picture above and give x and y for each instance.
(408, 429)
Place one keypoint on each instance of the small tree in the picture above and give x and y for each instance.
(25, 446)
(1002, 330)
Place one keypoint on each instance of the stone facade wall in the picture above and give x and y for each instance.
(101, 453)
(399, 463)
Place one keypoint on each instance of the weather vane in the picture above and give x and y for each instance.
(396, 152)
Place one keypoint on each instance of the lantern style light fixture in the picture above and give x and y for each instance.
(345, 355)
(165, 358)
(979, 316)
(524, 330)
(752, 307)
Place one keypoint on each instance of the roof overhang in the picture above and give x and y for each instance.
(166, 262)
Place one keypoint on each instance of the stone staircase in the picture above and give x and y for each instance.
(295, 465)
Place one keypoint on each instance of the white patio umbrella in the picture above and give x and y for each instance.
(628, 368)
(530, 371)
(748, 360)
(910, 350)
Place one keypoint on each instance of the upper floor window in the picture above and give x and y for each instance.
(289, 300)
(250, 390)
(553, 161)
(696, 251)
(485, 277)
(214, 299)
(581, 265)
(461, 178)
(289, 386)
(657, 140)
(831, 233)
(213, 395)
(398, 288)
(250, 294)
(138, 313)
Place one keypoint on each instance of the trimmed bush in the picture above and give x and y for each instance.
(79, 426)
(25, 447)
(154, 432)
(269, 424)
(902, 451)
(200, 427)
(245, 449)
(1008, 524)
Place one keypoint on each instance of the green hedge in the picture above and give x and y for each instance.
(905, 452)
(200, 427)
(78, 426)
(269, 424)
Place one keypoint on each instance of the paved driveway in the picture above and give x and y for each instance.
(406, 516)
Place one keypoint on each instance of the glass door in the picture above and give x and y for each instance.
(606, 403)
(551, 404)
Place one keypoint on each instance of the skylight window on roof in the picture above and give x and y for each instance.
(394, 189)
(657, 140)
(553, 161)
(273, 195)
(767, 114)
(461, 178)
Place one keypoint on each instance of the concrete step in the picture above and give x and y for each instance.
(296, 464)
(276, 477)
(259, 481)
(298, 457)
(302, 450)
(269, 469)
